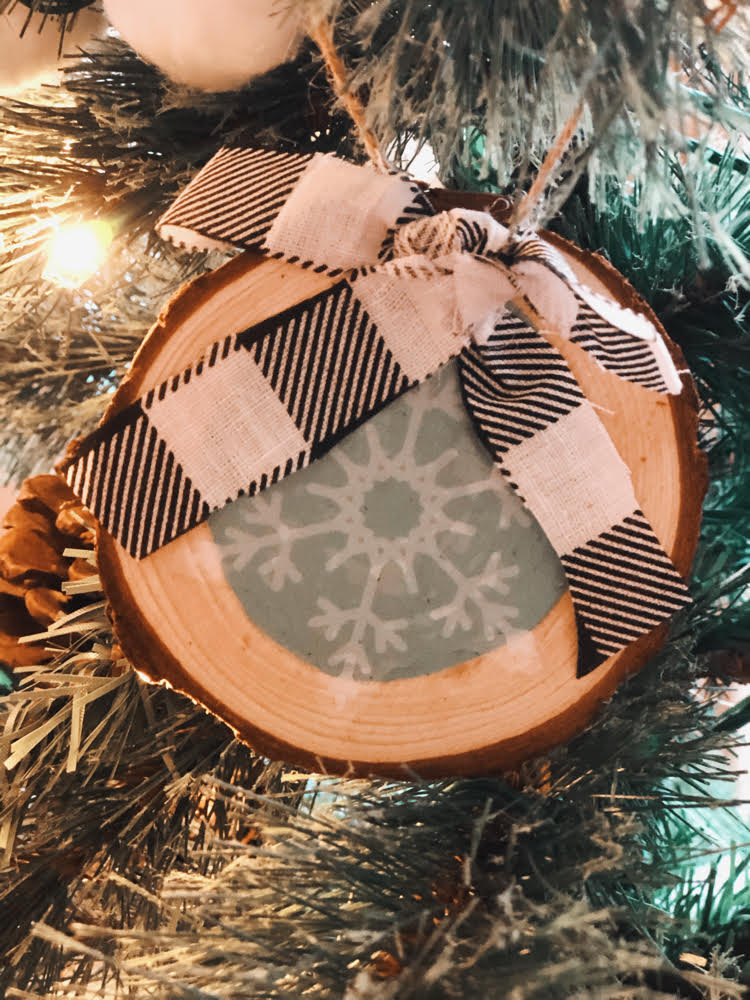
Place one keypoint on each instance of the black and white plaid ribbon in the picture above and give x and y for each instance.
(420, 287)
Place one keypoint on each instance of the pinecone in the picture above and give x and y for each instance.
(46, 519)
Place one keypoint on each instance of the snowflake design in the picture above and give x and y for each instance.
(380, 557)
(266, 531)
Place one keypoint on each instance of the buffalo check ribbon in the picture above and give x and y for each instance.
(416, 287)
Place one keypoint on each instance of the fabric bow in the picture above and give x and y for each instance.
(421, 287)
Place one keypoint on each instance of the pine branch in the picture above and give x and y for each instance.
(170, 861)
(489, 86)
(115, 144)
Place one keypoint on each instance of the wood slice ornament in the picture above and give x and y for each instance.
(213, 613)
(392, 606)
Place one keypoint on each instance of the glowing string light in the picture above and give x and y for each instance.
(76, 252)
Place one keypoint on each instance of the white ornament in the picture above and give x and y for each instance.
(33, 58)
(216, 45)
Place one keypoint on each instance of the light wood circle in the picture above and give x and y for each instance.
(179, 621)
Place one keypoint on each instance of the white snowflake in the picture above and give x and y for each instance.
(475, 590)
(266, 531)
(389, 557)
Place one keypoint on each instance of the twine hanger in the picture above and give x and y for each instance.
(322, 34)
(528, 203)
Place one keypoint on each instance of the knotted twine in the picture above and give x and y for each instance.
(420, 288)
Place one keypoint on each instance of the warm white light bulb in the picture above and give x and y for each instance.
(76, 252)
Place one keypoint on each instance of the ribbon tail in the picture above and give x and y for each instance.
(259, 405)
(646, 361)
(620, 339)
(256, 407)
(313, 210)
(623, 585)
(589, 656)
(243, 416)
(234, 200)
(548, 441)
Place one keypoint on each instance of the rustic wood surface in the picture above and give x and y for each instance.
(178, 620)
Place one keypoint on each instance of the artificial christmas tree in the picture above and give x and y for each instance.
(147, 852)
